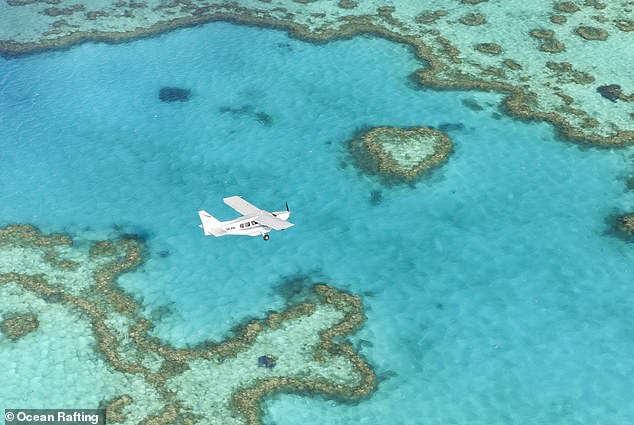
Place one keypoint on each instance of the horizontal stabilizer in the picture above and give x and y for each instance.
(273, 222)
(211, 225)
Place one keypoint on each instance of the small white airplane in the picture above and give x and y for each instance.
(253, 222)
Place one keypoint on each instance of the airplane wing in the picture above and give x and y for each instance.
(273, 222)
(242, 206)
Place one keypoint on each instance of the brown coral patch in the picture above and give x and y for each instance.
(448, 50)
(567, 99)
(511, 64)
(16, 325)
(558, 19)
(347, 4)
(56, 11)
(489, 48)
(625, 25)
(567, 73)
(94, 14)
(385, 10)
(594, 3)
(542, 34)
(59, 23)
(566, 7)
(114, 408)
(66, 11)
(548, 43)
(27, 2)
(429, 16)
(626, 222)
(600, 18)
(27, 235)
(473, 19)
(591, 33)
(494, 71)
(552, 46)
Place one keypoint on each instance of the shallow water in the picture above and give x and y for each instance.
(493, 292)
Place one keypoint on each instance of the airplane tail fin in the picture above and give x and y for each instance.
(210, 225)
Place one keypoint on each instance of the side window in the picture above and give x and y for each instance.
(242, 226)
(253, 223)
(248, 224)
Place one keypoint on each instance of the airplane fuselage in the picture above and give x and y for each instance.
(246, 225)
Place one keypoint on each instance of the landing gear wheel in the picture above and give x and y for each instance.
(266, 237)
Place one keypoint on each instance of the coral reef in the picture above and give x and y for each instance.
(400, 154)
(289, 351)
(429, 16)
(566, 7)
(625, 25)
(592, 33)
(114, 408)
(489, 48)
(548, 43)
(473, 19)
(613, 93)
(566, 73)
(626, 222)
(347, 4)
(441, 38)
(16, 325)
(558, 19)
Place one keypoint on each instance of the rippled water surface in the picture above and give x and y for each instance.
(493, 292)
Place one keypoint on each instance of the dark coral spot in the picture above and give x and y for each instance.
(611, 92)
(268, 361)
(285, 46)
(264, 118)
(376, 197)
(236, 110)
(174, 94)
(472, 104)
(451, 126)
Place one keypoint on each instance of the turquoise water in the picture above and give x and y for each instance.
(493, 292)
